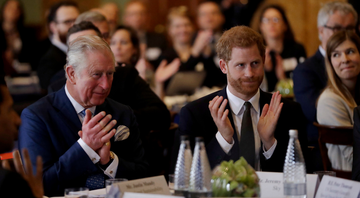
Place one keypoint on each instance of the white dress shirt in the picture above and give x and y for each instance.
(59, 45)
(322, 51)
(95, 158)
(237, 110)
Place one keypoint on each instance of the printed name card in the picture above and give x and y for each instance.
(141, 195)
(333, 187)
(271, 184)
(150, 185)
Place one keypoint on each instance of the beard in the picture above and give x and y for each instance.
(62, 37)
(241, 87)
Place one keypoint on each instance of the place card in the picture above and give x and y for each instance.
(150, 185)
(271, 184)
(142, 195)
(337, 187)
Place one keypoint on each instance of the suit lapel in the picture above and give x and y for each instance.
(320, 67)
(67, 114)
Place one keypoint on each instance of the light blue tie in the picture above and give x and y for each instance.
(95, 181)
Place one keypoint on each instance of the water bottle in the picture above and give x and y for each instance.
(182, 169)
(294, 169)
(200, 174)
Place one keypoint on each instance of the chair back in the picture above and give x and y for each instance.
(339, 135)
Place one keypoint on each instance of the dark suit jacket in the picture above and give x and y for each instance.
(13, 185)
(310, 79)
(196, 120)
(130, 89)
(50, 129)
(52, 62)
(356, 153)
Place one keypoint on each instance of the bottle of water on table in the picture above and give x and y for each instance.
(294, 169)
(182, 169)
(200, 174)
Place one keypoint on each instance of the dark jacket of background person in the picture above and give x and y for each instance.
(50, 129)
(130, 89)
(356, 154)
(196, 120)
(13, 185)
(310, 79)
(52, 62)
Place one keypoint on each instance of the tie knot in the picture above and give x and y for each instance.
(247, 105)
(82, 113)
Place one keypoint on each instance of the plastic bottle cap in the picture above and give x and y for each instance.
(293, 133)
(199, 139)
(184, 137)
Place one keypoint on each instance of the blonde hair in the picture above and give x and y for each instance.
(181, 11)
(334, 81)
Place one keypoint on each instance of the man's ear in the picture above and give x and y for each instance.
(52, 27)
(223, 67)
(320, 31)
(71, 74)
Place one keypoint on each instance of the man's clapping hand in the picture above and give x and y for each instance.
(95, 131)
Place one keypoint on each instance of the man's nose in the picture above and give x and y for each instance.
(105, 82)
(249, 71)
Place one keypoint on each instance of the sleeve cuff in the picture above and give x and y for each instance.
(267, 154)
(226, 147)
(95, 158)
(112, 168)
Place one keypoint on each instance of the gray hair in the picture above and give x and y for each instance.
(78, 49)
(91, 16)
(330, 8)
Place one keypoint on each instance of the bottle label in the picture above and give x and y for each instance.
(294, 189)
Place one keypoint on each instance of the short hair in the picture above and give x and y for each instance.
(288, 34)
(134, 40)
(181, 11)
(209, 1)
(78, 49)
(330, 8)
(84, 25)
(136, 2)
(238, 36)
(91, 16)
(53, 9)
(334, 81)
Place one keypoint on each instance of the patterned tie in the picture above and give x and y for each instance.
(247, 142)
(95, 181)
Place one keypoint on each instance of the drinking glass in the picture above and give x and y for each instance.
(171, 183)
(77, 192)
(110, 182)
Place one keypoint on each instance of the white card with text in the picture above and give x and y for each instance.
(142, 195)
(271, 184)
(337, 188)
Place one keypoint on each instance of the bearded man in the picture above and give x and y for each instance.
(238, 120)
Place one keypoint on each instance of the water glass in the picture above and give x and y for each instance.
(77, 192)
(110, 182)
(171, 183)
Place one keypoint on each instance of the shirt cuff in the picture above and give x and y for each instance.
(267, 154)
(226, 147)
(112, 168)
(95, 158)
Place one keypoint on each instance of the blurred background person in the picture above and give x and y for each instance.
(210, 21)
(283, 53)
(151, 44)
(99, 20)
(111, 12)
(62, 16)
(16, 41)
(336, 103)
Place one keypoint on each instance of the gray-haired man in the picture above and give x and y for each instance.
(82, 136)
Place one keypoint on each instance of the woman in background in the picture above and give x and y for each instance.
(283, 52)
(342, 94)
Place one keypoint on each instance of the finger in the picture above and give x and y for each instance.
(107, 128)
(94, 121)
(5, 164)
(222, 108)
(264, 110)
(211, 102)
(225, 115)
(80, 134)
(39, 167)
(87, 116)
(278, 111)
(217, 104)
(104, 122)
(27, 162)
(17, 162)
(107, 137)
(162, 64)
(277, 99)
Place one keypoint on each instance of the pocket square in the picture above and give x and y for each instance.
(122, 133)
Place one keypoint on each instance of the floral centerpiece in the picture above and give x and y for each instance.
(237, 179)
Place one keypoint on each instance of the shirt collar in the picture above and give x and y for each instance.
(59, 45)
(236, 103)
(76, 105)
(322, 51)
